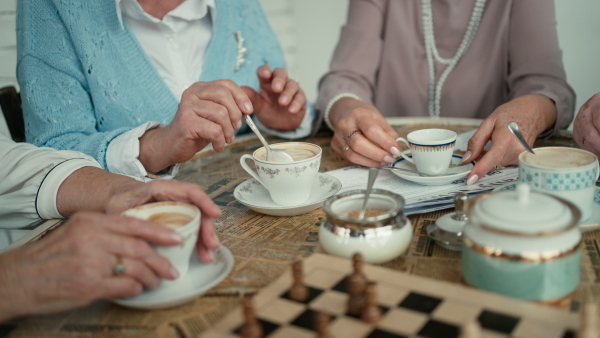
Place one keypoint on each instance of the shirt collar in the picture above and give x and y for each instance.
(189, 9)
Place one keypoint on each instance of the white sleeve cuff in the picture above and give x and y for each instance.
(45, 200)
(303, 130)
(123, 152)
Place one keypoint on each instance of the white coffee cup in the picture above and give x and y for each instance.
(569, 173)
(431, 149)
(184, 219)
(288, 183)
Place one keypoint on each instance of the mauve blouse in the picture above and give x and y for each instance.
(381, 58)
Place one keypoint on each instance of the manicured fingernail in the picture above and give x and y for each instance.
(472, 180)
(265, 72)
(174, 273)
(395, 151)
(238, 124)
(384, 164)
(388, 159)
(283, 99)
(294, 107)
(177, 237)
(248, 107)
(278, 86)
(466, 156)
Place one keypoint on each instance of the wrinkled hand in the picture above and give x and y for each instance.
(533, 114)
(586, 129)
(375, 144)
(74, 264)
(209, 112)
(280, 104)
(173, 190)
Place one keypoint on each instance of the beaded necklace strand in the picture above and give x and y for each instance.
(435, 89)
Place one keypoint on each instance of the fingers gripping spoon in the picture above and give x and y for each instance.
(273, 155)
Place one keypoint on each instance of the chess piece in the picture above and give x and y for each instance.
(251, 328)
(322, 325)
(356, 290)
(589, 322)
(470, 330)
(357, 264)
(371, 313)
(298, 292)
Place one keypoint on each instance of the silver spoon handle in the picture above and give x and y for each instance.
(514, 129)
(372, 176)
(257, 132)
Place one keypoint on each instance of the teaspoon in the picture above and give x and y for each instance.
(372, 176)
(273, 155)
(514, 128)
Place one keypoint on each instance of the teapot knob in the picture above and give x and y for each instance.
(460, 201)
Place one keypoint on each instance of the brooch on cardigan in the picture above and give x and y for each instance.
(239, 61)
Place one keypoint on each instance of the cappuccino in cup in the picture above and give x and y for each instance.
(182, 217)
(568, 173)
(289, 184)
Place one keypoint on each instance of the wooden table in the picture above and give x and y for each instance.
(263, 247)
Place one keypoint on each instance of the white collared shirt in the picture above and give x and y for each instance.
(176, 46)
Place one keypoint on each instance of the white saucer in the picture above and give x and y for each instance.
(591, 223)
(200, 278)
(253, 195)
(456, 171)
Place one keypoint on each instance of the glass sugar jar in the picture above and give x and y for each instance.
(382, 235)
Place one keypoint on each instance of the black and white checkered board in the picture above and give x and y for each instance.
(412, 307)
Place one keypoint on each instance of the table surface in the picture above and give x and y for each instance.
(264, 246)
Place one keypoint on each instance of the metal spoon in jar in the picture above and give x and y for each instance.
(273, 155)
(514, 128)
(372, 176)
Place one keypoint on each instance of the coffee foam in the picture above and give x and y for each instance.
(172, 220)
(298, 152)
(558, 158)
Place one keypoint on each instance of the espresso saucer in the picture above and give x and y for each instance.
(253, 195)
(200, 278)
(457, 171)
(591, 223)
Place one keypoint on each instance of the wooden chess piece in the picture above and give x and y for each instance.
(357, 264)
(589, 322)
(322, 325)
(298, 292)
(251, 328)
(356, 291)
(470, 330)
(371, 313)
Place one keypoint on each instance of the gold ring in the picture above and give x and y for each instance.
(354, 132)
(500, 166)
(119, 267)
(345, 149)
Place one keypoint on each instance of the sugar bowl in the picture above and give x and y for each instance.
(382, 235)
(522, 244)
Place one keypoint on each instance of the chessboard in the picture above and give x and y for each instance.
(410, 306)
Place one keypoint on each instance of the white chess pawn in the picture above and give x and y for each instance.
(589, 322)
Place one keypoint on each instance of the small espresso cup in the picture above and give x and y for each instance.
(569, 173)
(431, 149)
(183, 218)
(288, 183)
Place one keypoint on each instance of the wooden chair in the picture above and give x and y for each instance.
(10, 102)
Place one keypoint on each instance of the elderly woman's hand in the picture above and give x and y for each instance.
(172, 190)
(362, 134)
(74, 264)
(280, 104)
(586, 129)
(209, 112)
(533, 114)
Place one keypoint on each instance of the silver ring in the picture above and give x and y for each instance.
(345, 149)
(119, 267)
(354, 132)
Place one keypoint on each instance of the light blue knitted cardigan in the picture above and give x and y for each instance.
(85, 79)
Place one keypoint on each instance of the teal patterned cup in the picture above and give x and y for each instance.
(569, 173)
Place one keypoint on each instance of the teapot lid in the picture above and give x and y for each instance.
(523, 212)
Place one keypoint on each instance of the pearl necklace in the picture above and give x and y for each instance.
(435, 89)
